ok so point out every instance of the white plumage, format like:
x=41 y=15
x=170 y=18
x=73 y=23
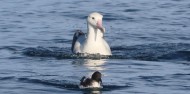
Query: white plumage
x=92 y=42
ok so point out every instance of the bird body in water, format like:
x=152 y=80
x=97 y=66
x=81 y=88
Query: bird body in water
x=93 y=42
x=94 y=82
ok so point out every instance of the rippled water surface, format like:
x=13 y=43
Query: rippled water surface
x=149 y=39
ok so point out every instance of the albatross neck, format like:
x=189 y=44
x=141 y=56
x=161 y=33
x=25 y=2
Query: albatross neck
x=93 y=34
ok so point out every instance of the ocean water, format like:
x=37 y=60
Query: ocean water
x=149 y=39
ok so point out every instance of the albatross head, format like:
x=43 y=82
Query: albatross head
x=95 y=20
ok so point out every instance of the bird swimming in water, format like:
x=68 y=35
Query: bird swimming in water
x=94 y=82
x=93 y=42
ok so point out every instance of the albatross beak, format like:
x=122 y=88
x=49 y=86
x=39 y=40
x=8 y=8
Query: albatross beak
x=99 y=26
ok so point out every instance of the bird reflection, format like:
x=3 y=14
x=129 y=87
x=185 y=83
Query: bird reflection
x=92 y=92
x=95 y=65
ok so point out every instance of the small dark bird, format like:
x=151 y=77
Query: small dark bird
x=94 y=82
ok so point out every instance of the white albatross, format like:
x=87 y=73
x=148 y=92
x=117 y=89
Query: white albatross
x=93 y=42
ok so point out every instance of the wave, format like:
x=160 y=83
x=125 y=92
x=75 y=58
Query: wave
x=149 y=52
x=65 y=84
x=68 y=85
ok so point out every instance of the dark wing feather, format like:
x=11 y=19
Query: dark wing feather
x=87 y=82
x=77 y=34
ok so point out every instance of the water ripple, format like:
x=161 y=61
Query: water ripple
x=151 y=52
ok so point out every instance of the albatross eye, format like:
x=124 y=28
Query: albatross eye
x=93 y=18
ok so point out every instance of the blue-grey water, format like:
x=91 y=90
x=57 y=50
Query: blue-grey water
x=150 y=42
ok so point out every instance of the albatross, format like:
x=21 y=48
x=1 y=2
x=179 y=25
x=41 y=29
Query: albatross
x=93 y=41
